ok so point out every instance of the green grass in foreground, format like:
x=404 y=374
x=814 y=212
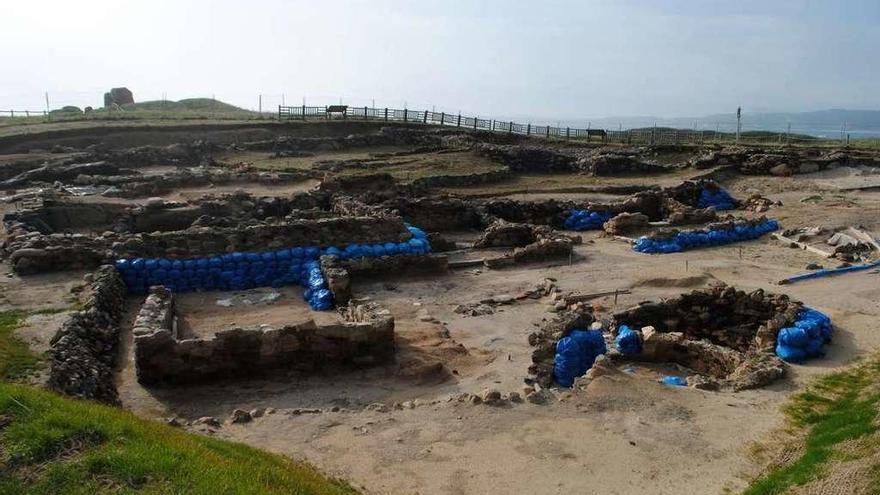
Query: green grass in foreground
x=839 y=410
x=16 y=358
x=54 y=445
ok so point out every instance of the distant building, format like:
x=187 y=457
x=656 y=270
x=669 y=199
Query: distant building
x=118 y=96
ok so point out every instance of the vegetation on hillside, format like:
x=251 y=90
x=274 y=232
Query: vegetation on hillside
x=837 y=436
x=51 y=445
x=16 y=358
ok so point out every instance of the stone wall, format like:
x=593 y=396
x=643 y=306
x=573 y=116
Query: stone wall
x=463 y=180
x=34 y=253
x=84 y=350
x=364 y=336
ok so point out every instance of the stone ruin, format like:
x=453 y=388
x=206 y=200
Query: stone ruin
x=119 y=97
x=363 y=336
x=724 y=336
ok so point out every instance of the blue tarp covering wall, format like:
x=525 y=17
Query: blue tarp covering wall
x=575 y=354
x=238 y=271
x=586 y=219
x=807 y=338
x=683 y=241
x=718 y=199
x=628 y=341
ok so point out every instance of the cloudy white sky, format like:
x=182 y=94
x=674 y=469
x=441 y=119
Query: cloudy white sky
x=505 y=57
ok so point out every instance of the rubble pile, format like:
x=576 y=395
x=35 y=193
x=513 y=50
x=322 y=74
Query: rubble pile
x=83 y=352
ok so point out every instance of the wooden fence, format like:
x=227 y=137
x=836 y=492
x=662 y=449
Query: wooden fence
x=653 y=135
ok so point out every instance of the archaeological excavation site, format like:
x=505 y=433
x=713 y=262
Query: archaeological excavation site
x=402 y=304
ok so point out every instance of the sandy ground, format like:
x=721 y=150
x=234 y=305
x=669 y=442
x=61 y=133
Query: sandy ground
x=625 y=434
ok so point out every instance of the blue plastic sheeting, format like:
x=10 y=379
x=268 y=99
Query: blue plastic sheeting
x=831 y=271
x=719 y=199
x=586 y=219
x=674 y=381
x=575 y=354
x=683 y=241
x=246 y=270
x=628 y=341
x=807 y=338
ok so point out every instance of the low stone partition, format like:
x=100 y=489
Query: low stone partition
x=364 y=336
x=84 y=350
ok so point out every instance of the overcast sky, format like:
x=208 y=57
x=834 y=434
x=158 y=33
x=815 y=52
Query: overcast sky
x=494 y=58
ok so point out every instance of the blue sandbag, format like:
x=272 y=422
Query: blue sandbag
x=122 y=265
x=321 y=300
x=628 y=341
x=790 y=354
x=575 y=354
x=673 y=381
x=793 y=336
x=720 y=200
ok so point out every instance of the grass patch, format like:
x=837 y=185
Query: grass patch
x=51 y=444
x=839 y=409
x=16 y=358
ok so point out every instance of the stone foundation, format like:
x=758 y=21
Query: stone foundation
x=364 y=336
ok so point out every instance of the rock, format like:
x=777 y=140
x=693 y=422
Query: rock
x=756 y=371
x=814 y=266
x=207 y=420
x=536 y=398
x=476 y=399
x=270 y=410
x=257 y=413
x=240 y=416
x=378 y=407
x=514 y=397
x=175 y=422
x=492 y=397
x=503 y=299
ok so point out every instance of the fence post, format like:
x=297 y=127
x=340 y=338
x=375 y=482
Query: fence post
x=442 y=118
x=12 y=113
x=405 y=113
x=475 y=122
x=459 y=120
x=425 y=121
x=386 y=114
x=529 y=129
x=568 y=133
x=27 y=113
x=547 y=132
x=326 y=115
x=366 y=116
x=493 y=125
x=653 y=133
x=510 y=127
x=279 y=113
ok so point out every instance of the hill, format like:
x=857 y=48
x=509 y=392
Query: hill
x=186 y=105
